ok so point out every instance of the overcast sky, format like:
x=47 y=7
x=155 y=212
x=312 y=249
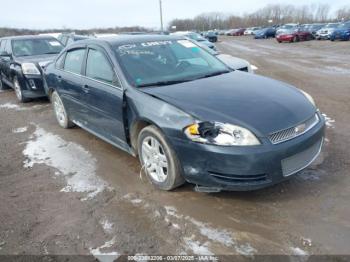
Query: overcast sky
x=83 y=14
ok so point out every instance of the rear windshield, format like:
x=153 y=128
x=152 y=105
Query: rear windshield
x=33 y=47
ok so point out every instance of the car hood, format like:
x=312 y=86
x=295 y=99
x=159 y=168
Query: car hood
x=342 y=31
x=261 y=104
x=233 y=62
x=42 y=60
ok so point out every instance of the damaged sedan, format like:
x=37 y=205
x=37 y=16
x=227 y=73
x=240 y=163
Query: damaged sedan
x=184 y=113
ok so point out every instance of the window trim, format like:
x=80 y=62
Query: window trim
x=82 y=73
x=82 y=64
x=108 y=61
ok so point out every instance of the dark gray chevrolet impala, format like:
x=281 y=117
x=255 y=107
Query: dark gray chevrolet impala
x=184 y=113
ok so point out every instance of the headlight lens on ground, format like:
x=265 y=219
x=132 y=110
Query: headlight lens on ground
x=309 y=97
x=221 y=134
x=30 y=69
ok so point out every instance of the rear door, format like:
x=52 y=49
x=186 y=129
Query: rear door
x=105 y=97
x=6 y=62
x=70 y=84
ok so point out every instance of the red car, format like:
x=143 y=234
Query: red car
x=239 y=32
x=294 y=36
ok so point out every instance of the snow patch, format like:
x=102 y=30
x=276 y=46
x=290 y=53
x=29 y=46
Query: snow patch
x=254 y=67
x=105 y=256
x=298 y=251
x=196 y=247
x=107 y=226
x=221 y=236
x=20 y=130
x=75 y=163
x=329 y=121
x=11 y=106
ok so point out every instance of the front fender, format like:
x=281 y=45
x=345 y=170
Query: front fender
x=144 y=107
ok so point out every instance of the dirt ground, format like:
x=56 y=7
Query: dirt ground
x=67 y=192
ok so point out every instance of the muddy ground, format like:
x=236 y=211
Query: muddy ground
x=68 y=192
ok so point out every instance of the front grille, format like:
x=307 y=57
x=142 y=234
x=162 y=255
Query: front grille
x=240 y=179
x=290 y=133
x=244 y=69
x=296 y=163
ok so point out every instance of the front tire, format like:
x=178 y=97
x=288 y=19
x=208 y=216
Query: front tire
x=19 y=91
x=60 y=111
x=2 y=85
x=159 y=160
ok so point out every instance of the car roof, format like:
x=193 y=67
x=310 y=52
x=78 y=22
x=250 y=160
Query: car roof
x=129 y=39
x=24 y=37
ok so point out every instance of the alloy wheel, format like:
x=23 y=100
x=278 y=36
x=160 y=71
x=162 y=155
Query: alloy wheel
x=17 y=88
x=154 y=159
x=59 y=110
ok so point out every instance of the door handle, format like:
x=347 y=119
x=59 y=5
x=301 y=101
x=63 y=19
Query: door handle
x=86 y=88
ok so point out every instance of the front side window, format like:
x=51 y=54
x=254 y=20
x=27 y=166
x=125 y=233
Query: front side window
x=33 y=47
x=166 y=62
x=74 y=61
x=98 y=67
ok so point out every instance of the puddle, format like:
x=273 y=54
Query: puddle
x=72 y=161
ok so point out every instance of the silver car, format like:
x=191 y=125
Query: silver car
x=326 y=31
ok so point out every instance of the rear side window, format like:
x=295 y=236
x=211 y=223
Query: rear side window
x=98 y=67
x=74 y=61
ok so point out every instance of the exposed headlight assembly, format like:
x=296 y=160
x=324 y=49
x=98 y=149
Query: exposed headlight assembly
x=312 y=101
x=221 y=134
x=30 y=69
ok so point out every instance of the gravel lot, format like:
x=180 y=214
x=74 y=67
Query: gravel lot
x=67 y=192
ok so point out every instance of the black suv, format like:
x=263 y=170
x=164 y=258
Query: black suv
x=22 y=60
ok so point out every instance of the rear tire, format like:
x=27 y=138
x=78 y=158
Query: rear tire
x=60 y=111
x=159 y=160
x=19 y=91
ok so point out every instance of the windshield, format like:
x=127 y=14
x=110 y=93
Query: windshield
x=331 y=26
x=33 y=47
x=345 y=25
x=166 y=62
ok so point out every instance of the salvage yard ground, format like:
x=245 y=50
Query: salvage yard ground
x=68 y=192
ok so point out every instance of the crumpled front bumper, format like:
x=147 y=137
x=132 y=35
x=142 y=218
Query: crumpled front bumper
x=243 y=168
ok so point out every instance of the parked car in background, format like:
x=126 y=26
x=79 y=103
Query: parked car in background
x=232 y=62
x=251 y=30
x=185 y=114
x=231 y=32
x=286 y=28
x=326 y=31
x=265 y=33
x=69 y=38
x=342 y=32
x=314 y=28
x=22 y=60
x=196 y=37
x=294 y=35
x=55 y=35
x=211 y=36
x=239 y=32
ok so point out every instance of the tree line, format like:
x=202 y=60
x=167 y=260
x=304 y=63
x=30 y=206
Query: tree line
x=5 y=31
x=270 y=14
